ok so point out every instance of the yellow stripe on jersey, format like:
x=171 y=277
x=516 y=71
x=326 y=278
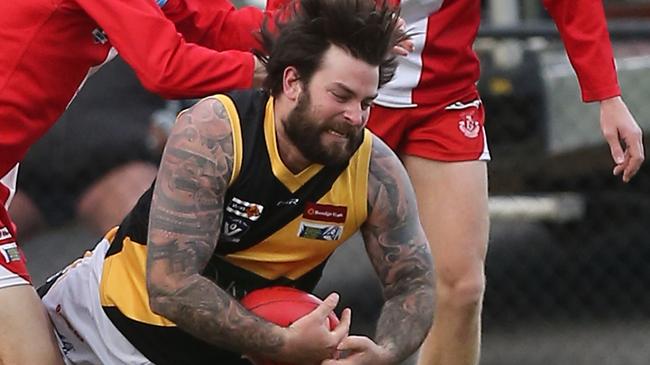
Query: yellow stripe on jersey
x=235 y=126
x=236 y=135
x=124 y=284
x=292 y=181
x=285 y=252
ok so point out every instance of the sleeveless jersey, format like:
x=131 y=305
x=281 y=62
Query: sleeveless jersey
x=278 y=228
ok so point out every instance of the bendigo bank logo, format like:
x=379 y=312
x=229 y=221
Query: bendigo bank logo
x=325 y=213
x=322 y=222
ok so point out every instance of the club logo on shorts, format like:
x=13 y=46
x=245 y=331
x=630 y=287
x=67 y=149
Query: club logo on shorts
x=10 y=252
x=469 y=126
x=248 y=210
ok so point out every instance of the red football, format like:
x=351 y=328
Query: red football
x=283 y=305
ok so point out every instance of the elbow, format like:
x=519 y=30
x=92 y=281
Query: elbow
x=161 y=86
x=161 y=302
x=163 y=81
x=160 y=305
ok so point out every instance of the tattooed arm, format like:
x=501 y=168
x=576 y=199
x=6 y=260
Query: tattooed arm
x=184 y=226
x=399 y=252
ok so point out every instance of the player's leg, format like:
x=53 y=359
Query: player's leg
x=26 y=335
x=444 y=155
x=107 y=201
x=452 y=199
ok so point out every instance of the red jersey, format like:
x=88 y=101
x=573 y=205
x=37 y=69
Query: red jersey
x=444 y=67
x=49 y=47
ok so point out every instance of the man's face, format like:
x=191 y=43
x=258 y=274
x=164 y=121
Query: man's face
x=327 y=122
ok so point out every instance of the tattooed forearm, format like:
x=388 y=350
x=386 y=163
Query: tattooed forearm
x=206 y=311
x=184 y=226
x=399 y=251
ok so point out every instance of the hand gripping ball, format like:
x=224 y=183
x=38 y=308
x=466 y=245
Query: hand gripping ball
x=282 y=305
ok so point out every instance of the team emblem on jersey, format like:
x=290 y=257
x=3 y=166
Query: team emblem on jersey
x=233 y=228
x=469 y=126
x=248 y=210
x=325 y=232
x=10 y=252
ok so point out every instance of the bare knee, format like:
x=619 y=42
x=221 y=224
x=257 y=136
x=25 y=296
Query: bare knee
x=461 y=289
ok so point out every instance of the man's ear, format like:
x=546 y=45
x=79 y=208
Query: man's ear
x=291 y=83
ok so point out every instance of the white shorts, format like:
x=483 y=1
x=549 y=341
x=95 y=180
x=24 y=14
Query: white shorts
x=9 y=278
x=86 y=334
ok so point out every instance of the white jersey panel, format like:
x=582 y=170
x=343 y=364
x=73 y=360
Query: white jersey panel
x=9 y=181
x=398 y=93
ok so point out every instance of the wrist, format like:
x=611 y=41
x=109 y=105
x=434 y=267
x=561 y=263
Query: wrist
x=288 y=348
x=613 y=100
x=388 y=355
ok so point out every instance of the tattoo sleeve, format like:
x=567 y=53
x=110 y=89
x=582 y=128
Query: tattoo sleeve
x=399 y=252
x=184 y=227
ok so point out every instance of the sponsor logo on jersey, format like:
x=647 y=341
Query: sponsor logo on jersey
x=291 y=202
x=248 y=210
x=233 y=228
x=325 y=212
x=99 y=36
x=325 y=232
x=10 y=252
x=4 y=233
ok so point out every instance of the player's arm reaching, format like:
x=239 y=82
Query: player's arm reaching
x=163 y=61
x=184 y=226
x=399 y=252
x=216 y=24
x=583 y=28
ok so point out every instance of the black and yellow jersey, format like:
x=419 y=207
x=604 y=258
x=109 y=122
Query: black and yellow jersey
x=278 y=228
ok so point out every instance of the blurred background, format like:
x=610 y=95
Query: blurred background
x=568 y=268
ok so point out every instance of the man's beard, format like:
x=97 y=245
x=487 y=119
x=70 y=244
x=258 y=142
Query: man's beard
x=306 y=133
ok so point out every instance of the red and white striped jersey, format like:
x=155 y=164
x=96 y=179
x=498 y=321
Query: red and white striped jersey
x=444 y=67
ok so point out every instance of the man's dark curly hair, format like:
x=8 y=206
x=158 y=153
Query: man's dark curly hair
x=300 y=35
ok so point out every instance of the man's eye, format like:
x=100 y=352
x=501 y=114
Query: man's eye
x=339 y=97
x=366 y=105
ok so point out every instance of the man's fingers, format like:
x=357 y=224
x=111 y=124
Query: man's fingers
x=400 y=51
x=343 y=328
x=615 y=147
x=635 y=157
x=633 y=166
x=618 y=169
x=404 y=47
x=355 y=344
x=324 y=309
